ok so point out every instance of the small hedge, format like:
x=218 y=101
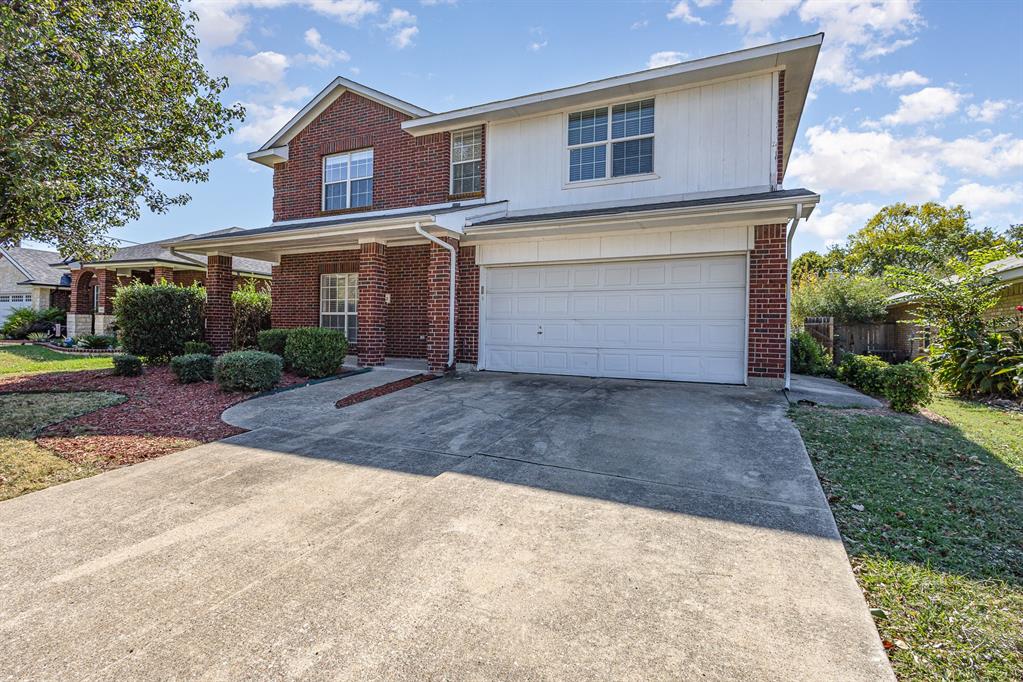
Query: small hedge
x=251 y=313
x=192 y=368
x=906 y=387
x=808 y=356
x=155 y=320
x=315 y=351
x=247 y=370
x=126 y=365
x=196 y=348
x=272 y=340
x=96 y=341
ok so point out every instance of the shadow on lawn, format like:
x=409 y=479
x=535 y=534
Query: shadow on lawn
x=930 y=494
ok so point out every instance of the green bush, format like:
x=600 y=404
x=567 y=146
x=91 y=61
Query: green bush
x=247 y=370
x=847 y=298
x=53 y=316
x=315 y=351
x=192 y=368
x=155 y=320
x=863 y=372
x=96 y=341
x=808 y=356
x=19 y=322
x=126 y=365
x=196 y=348
x=907 y=386
x=38 y=336
x=251 y=313
x=272 y=340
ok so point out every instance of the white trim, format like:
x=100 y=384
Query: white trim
x=745 y=345
x=608 y=143
x=348 y=178
x=348 y=284
x=381 y=213
x=774 y=132
x=452 y=163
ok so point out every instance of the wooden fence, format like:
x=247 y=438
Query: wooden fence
x=862 y=339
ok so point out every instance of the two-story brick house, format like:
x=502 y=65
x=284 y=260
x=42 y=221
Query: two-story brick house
x=629 y=227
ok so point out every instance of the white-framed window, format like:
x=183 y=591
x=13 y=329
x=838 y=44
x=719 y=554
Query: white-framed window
x=15 y=298
x=466 y=160
x=348 y=180
x=611 y=142
x=339 y=303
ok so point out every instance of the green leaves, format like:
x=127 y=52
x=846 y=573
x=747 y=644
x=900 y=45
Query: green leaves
x=99 y=100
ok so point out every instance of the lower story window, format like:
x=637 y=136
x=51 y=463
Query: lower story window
x=339 y=301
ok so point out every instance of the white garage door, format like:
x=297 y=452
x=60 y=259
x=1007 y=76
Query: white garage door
x=9 y=302
x=681 y=319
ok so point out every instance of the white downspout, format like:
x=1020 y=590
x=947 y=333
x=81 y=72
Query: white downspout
x=451 y=290
x=788 y=296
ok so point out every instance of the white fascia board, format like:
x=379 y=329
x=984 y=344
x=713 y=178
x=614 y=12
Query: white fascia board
x=268 y=157
x=382 y=213
x=729 y=64
x=323 y=99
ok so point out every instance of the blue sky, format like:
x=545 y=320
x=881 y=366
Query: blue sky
x=912 y=101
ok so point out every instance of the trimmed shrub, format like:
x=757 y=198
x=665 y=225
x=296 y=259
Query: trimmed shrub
x=96 y=341
x=251 y=308
x=19 y=323
x=192 y=368
x=272 y=340
x=155 y=320
x=196 y=348
x=127 y=365
x=907 y=386
x=808 y=356
x=315 y=351
x=863 y=372
x=247 y=370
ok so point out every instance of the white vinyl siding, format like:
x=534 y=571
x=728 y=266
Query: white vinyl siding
x=466 y=160
x=339 y=302
x=348 y=180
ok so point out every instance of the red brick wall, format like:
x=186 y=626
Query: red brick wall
x=164 y=272
x=372 y=307
x=82 y=281
x=781 y=126
x=767 y=278
x=407 y=171
x=296 y=285
x=467 y=325
x=219 y=284
x=60 y=298
x=437 y=308
x=406 y=315
x=108 y=282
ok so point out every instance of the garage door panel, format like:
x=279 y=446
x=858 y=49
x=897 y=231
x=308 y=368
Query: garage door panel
x=681 y=319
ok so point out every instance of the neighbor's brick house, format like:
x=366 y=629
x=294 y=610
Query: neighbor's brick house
x=630 y=227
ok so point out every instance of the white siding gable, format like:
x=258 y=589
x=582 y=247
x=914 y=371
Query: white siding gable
x=711 y=138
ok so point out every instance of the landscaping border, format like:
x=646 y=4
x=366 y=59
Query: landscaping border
x=384 y=389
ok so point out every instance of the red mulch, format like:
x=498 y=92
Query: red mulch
x=160 y=416
x=383 y=389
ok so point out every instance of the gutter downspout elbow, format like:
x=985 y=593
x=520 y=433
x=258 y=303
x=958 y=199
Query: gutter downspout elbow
x=451 y=288
x=788 y=295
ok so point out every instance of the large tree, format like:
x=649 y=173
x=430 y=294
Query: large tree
x=103 y=104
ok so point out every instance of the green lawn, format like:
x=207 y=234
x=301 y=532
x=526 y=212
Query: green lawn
x=24 y=466
x=932 y=519
x=30 y=359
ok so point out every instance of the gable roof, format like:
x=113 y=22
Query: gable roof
x=36 y=265
x=1006 y=269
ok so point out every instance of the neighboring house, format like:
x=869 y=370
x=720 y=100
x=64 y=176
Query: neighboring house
x=911 y=341
x=628 y=227
x=29 y=280
x=92 y=284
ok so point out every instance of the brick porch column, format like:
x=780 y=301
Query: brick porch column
x=438 y=277
x=107 y=282
x=219 y=285
x=372 y=308
x=163 y=272
x=767 y=275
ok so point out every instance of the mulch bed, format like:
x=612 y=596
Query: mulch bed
x=160 y=416
x=383 y=389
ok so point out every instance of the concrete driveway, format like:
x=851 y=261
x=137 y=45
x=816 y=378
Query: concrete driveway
x=488 y=526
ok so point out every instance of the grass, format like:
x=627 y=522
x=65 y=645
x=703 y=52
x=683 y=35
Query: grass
x=24 y=465
x=30 y=359
x=932 y=519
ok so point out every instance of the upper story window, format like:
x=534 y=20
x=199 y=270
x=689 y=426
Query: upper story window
x=348 y=180
x=631 y=141
x=466 y=159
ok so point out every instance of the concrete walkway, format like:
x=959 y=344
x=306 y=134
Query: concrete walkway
x=488 y=526
x=827 y=392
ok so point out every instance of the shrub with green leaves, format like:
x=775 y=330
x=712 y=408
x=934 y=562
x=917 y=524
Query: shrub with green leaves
x=808 y=356
x=273 y=340
x=863 y=372
x=907 y=386
x=251 y=313
x=19 y=323
x=248 y=370
x=315 y=351
x=192 y=368
x=127 y=365
x=38 y=336
x=96 y=341
x=155 y=320
x=196 y=348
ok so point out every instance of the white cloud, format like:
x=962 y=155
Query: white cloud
x=990 y=156
x=262 y=121
x=706 y=3
x=642 y=23
x=349 y=12
x=403 y=38
x=882 y=49
x=323 y=54
x=905 y=79
x=682 y=11
x=862 y=22
x=537 y=45
x=432 y=3
x=756 y=16
x=841 y=220
x=924 y=105
x=988 y=110
x=262 y=67
x=990 y=204
x=665 y=58
x=218 y=26
x=402 y=25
